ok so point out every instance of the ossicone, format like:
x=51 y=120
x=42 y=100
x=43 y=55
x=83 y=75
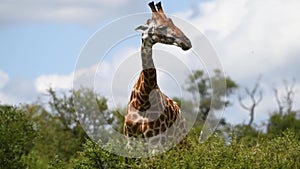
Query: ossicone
x=152 y=6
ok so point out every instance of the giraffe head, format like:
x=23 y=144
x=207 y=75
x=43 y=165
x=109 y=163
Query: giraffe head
x=161 y=29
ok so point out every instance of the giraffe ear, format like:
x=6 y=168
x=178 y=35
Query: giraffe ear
x=142 y=28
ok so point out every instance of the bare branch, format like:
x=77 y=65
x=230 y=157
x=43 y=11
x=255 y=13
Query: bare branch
x=247 y=91
x=279 y=104
x=290 y=94
x=260 y=97
x=288 y=97
x=242 y=104
x=254 y=101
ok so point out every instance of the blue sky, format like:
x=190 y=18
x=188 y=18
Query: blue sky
x=35 y=49
x=31 y=47
x=41 y=40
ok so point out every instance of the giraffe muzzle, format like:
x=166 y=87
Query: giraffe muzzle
x=184 y=43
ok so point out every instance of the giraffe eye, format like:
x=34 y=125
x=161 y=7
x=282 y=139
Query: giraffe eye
x=161 y=27
x=162 y=30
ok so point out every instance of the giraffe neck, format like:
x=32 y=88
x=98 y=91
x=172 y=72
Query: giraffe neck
x=147 y=81
x=146 y=54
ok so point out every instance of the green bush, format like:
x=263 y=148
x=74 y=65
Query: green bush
x=36 y=137
x=279 y=152
x=280 y=123
x=16 y=135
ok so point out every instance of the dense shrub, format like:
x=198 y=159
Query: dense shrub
x=49 y=136
x=280 y=123
x=16 y=134
x=280 y=152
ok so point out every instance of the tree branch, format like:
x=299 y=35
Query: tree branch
x=254 y=101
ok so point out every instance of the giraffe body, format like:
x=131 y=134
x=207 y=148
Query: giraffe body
x=150 y=113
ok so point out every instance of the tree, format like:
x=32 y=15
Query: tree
x=54 y=140
x=246 y=134
x=94 y=115
x=59 y=123
x=280 y=123
x=285 y=118
x=200 y=83
x=16 y=135
x=287 y=100
x=254 y=101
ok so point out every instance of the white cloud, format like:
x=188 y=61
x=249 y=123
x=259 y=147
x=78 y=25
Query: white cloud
x=110 y=78
x=114 y=77
x=65 y=10
x=4 y=99
x=18 y=90
x=253 y=37
x=56 y=82
x=3 y=79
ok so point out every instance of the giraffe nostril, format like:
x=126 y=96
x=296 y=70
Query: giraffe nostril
x=186 y=44
x=186 y=48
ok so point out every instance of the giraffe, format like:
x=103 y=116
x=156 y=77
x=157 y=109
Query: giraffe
x=150 y=113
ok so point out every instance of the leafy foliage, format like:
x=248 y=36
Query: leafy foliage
x=61 y=133
x=16 y=134
x=49 y=135
x=93 y=114
x=200 y=83
x=280 y=123
x=280 y=152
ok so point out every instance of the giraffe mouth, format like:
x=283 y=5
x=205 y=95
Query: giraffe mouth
x=175 y=44
x=183 y=46
x=184 y=43
x=186 y=48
